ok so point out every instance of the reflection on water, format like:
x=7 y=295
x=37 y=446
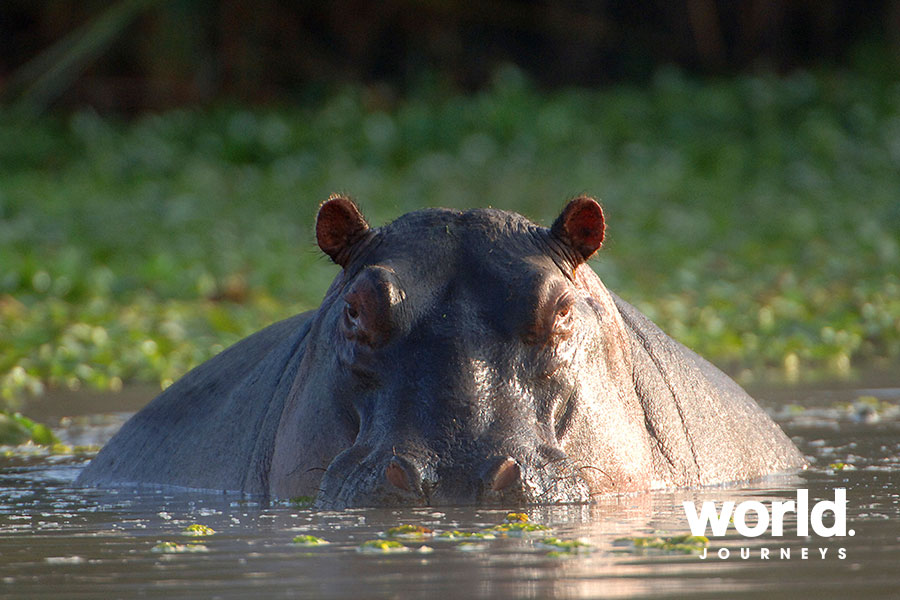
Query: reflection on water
x=58 y=541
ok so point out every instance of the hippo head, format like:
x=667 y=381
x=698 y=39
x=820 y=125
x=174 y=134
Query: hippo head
x=462 y=358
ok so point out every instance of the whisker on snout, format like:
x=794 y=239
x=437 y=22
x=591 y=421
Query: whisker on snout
x=583 y=467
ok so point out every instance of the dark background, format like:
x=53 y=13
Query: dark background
x=133 y=55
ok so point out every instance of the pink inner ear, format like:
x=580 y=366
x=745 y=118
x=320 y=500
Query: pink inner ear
x=584 y=226
x=338 y=223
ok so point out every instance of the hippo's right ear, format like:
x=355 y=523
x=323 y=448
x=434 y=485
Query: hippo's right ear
x=581 y=226
x=339 y=225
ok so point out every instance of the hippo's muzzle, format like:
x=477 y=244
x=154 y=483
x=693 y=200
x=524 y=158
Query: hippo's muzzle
x=398 y=478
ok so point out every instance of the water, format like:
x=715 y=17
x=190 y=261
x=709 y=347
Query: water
x=58 y=541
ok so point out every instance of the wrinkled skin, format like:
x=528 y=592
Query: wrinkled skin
x=458 y=358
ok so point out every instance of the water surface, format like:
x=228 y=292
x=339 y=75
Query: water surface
x=58 y=541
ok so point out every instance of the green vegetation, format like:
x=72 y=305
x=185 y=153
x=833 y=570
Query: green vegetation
x=756 y=219
x=839 y=466
x=516 y=528
x=198 y=530
x=563 y=548
x=382 y=547
x=302 y=501
x=456 y=535
x=412 y=532
x=173 y=548
x=514 y=517
x=681 y=544
x=16 y=429
x=309 y=540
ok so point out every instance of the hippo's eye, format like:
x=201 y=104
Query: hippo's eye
x=366 y=316
x=351 y=312
x=554 y=319
x=351 y=317
x=565 y=307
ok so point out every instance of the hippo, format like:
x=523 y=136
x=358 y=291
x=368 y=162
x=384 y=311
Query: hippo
x=458 y=358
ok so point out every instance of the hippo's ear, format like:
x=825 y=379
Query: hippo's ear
x=581 y=226
x=339 y=225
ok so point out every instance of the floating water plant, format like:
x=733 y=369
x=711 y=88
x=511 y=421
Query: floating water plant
x=456 y=535
x=309 y=540
x=409 y=532
x=173 y=548
x=515 y=525
x=561 y=545
x=60 y=448
x=198 y=530
x=560 y=548
x=382 y=547
x=684 y=544
x=517 y=529
x=840 y=466
x=515 y=517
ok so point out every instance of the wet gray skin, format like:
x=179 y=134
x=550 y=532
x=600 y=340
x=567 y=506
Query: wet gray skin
x=458 y=358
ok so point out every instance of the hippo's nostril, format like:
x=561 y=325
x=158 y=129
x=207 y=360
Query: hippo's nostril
x=505 y=474
x=396 y=474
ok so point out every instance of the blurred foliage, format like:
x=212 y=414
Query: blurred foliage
x=16 y=429
x=756 y=219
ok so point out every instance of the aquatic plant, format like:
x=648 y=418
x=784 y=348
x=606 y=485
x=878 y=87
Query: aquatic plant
x=683 y=544
x=409 y=532
x=198 y=530
x=382 y=547
x=16 y=429
x=173 y=548
x=309 y=540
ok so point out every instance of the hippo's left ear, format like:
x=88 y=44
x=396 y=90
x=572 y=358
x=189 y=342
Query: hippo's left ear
x=339 y=225
x=581 y=226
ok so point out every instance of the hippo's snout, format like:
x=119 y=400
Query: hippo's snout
x=497 y=479
x=400 y=479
